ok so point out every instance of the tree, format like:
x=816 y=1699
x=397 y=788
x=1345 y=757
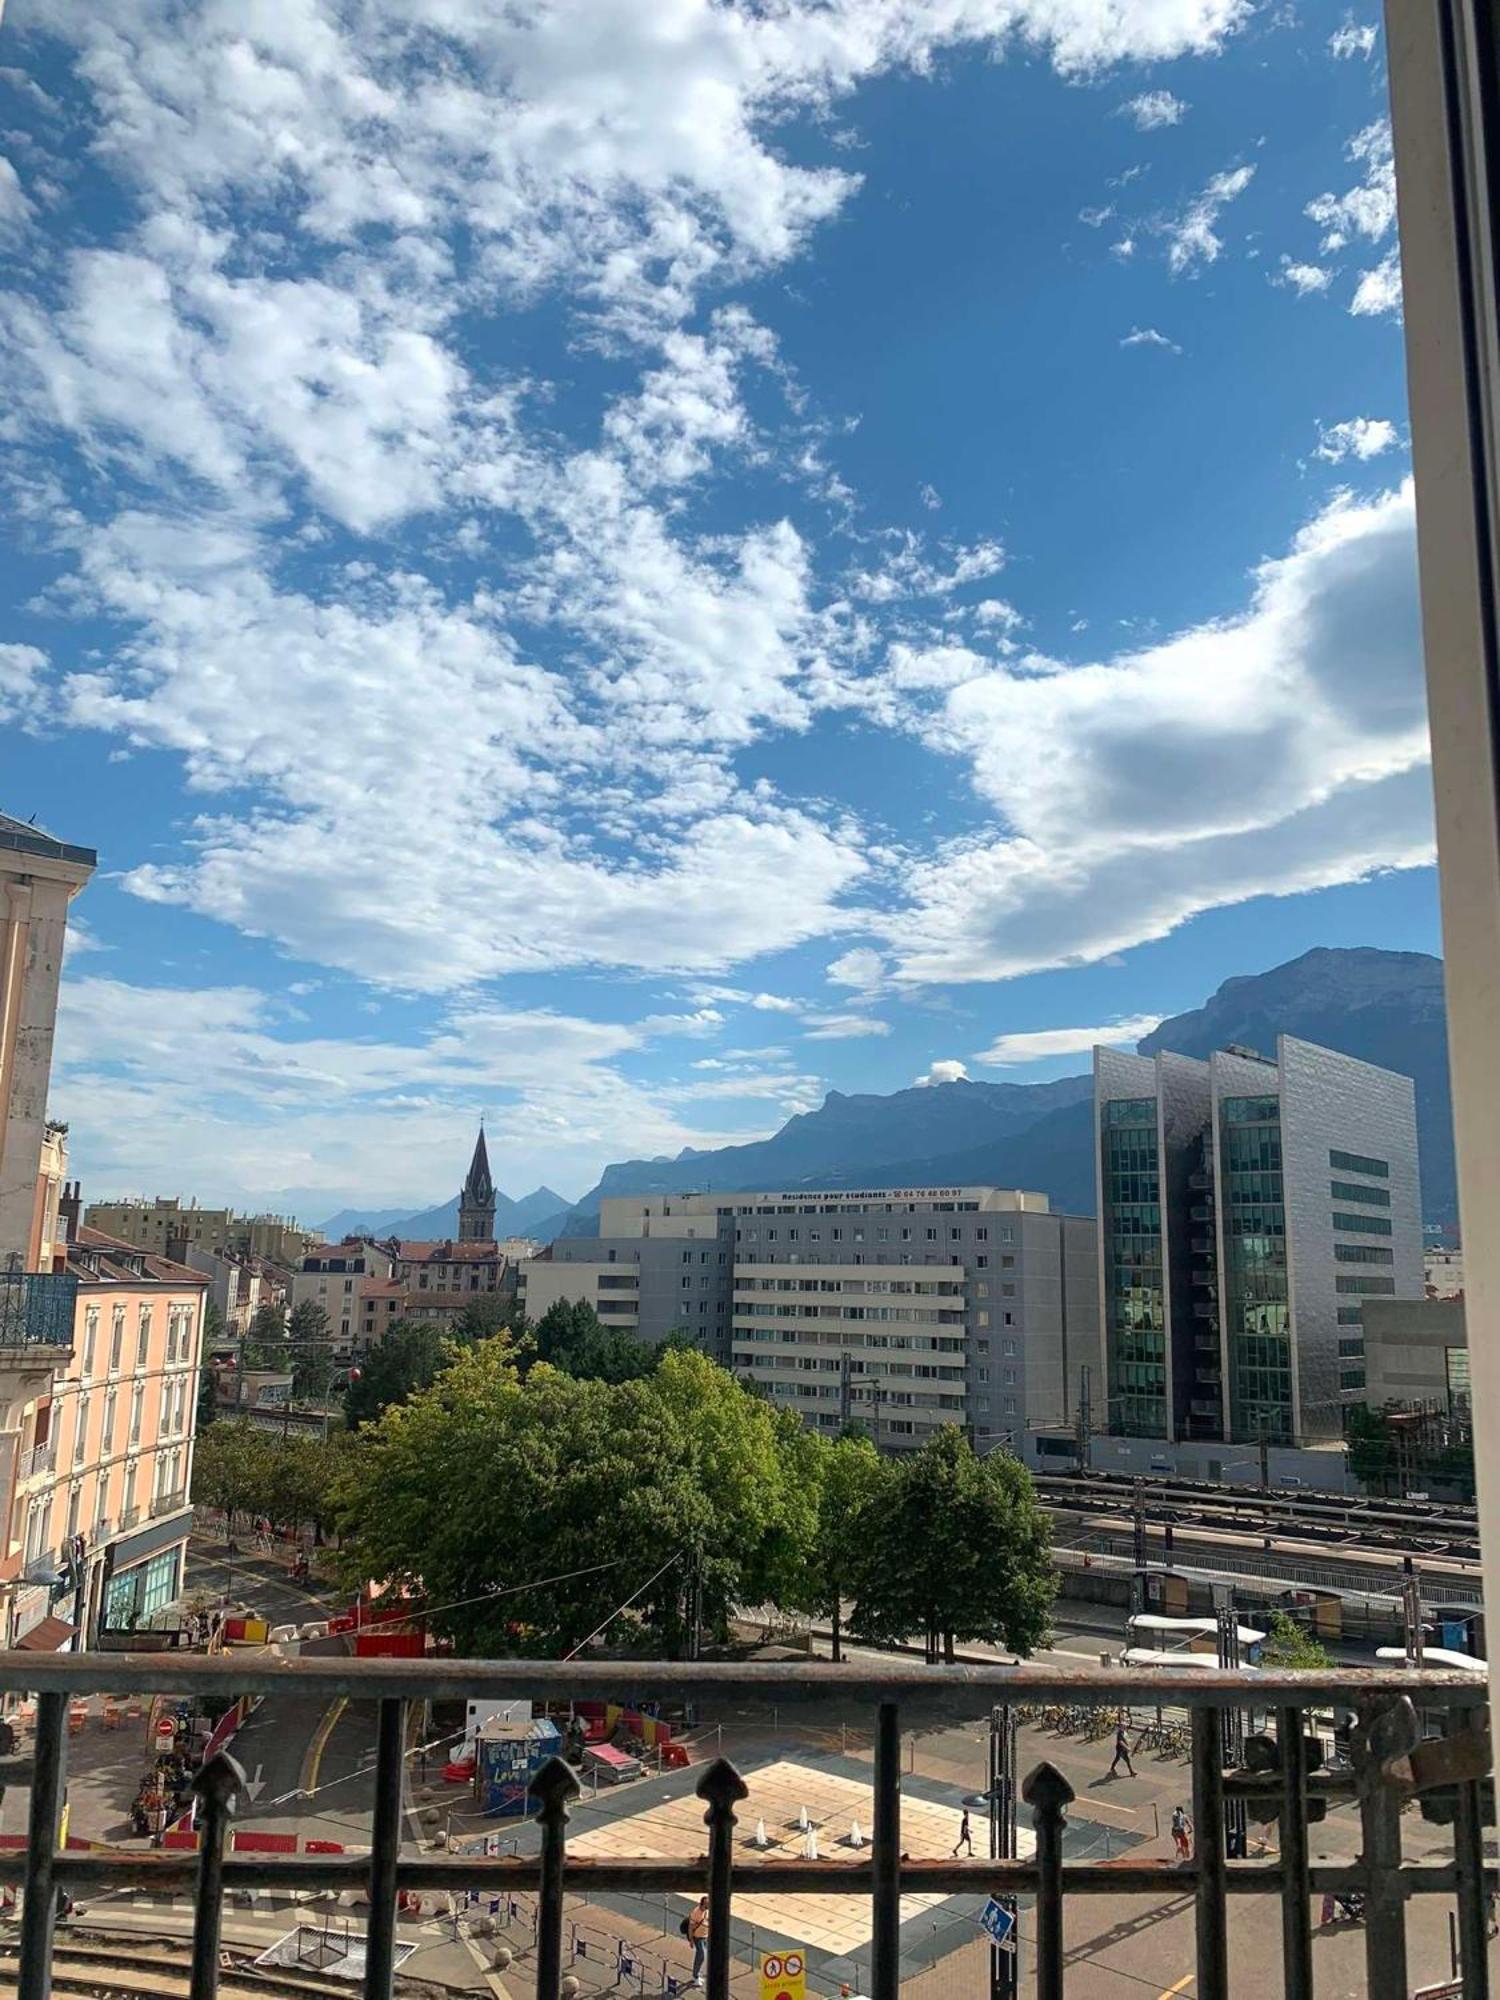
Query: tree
x=408 y=1358
x=208 y=1398
x=483 y=1317
x=851 y=1478
x=265 y=1345
x=620 y=1508
x=310 y=1350
x=570 y=1335
x=1288 y=1644
x=229 y=1468
x=955 y=1547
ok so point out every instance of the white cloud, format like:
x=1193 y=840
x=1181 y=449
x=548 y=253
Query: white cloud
x=166 y=1087
x=1353 y=38
x=842 y=1027
x=21 y=670
x=1154 y=108
x=862 y=968
x=1379 y=290
x=1132 y=793
x=1192 y=236
x=929 y=496
x=1369 y=209
x=1304 y=279
x=1040 y=1044
x=1149 y=336
x=945 y=1070
x=1359 y=437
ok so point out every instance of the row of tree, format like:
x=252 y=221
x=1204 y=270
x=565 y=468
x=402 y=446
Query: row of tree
x=295 y=1482
x=534 y=1508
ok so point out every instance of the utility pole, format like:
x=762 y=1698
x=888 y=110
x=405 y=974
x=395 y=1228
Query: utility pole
x=1138 y=1538
x=1265 y=1460
x=1085 y=1421
x=1231 y=1724
x=1411 y=1611
x=1002 y=1799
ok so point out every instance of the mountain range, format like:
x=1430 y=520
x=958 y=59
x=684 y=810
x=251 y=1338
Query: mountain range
x=540 y=1213
x=1385 y=1007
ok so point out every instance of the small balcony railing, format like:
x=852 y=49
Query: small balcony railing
x=168 y=1503
x=129 y=1518
x=36 y=1309
x=41 y=1458
x=1276 y=1776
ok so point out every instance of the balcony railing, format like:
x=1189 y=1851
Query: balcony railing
x=1276 y=1777
x=36 y=1309
x=168 y=1503
x=41 y=1458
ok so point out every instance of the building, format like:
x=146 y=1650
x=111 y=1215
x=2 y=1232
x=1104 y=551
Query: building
x=99 y=1513
x=1416 y=1355
x=516 y=1249
x=441 y=1279
x=1247 y=1207
x=239 y=1285
x=171 y=1227
x=39 y=877
x=476 y=1201
x=331 y=1276
x=1444 y=1272
x=906 y=1309
x=381 y=1304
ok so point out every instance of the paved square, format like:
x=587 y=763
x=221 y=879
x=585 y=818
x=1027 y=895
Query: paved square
x=838 y=1925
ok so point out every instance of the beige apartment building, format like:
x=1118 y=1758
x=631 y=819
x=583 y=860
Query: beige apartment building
x=169 y=1227
x=331 y=1275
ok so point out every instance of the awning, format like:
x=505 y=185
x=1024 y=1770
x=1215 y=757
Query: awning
x=48 y=1635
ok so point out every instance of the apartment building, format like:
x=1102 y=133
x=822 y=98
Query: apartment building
x=170 y=1227
x=442 y=1278
x=904 y=1309
x=238 y=1285
x=99 y=1514
x=331 y=1276
x=1247 y=1206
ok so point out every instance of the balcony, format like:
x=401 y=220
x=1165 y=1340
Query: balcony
x=1278 y=1780
x=168 y=1503
x=36 y=1311
x=42 y=1458
x=43 y=1567
x=129 y=1519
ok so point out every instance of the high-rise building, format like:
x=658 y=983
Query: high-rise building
x=904 y=1309
x=476 y=1203
x=1246 y=1207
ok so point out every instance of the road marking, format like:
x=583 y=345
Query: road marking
x=312 y=1762
x=1167 y=1991
x=1087 y=1806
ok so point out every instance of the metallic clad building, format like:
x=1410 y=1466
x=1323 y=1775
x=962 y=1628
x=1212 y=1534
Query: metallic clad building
x=1246 y=1206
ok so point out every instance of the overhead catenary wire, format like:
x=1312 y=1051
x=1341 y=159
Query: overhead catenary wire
x=598 y=1630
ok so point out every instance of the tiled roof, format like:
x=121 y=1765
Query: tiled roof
x=449 y=1252
x=122 y=1263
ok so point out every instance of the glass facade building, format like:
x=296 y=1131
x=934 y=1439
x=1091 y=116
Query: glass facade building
x=1257 y=1314
x=1134 y=1297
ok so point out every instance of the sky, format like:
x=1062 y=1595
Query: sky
x=623 y=567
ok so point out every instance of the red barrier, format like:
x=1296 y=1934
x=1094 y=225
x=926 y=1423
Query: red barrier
x=322 y=1847
x=389 y=1645
x=182 y=1837
x=264 y=1843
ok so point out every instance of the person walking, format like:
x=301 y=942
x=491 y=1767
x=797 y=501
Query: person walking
x=1122 y=1752
x=697 y=1930
x=1182 y=1834
x=965 y=1835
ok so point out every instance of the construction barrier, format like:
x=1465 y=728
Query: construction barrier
x=242 y=1841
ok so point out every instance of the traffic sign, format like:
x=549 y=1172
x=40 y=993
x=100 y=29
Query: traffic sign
x=783 y=1975
x=999 y=1922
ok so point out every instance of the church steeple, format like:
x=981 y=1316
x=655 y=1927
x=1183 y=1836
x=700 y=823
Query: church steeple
x=476 y=1204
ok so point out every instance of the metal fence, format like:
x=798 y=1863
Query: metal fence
x=36 y=1308
x=1389 y=1763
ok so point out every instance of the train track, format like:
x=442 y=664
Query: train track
x=1326 y=1523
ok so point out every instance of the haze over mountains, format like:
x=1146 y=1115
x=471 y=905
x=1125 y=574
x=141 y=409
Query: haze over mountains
x=1385 y=1007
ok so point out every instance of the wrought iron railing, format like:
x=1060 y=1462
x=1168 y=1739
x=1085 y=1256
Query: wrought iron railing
x=168 y=1503
x=1389 y=1764
x=36 y=1308
x=41 y=1458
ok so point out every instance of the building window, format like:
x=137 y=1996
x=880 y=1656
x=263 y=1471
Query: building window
x=143 y=1337
x=1372 y=1197
x=90 y=1335
x=81 y=1431
x=1360 y=1163
x=1362 y=1225
x=116 y=1338
x=137 y=1403
x=1385 y=1287
x=107 y=1440
x=75 y=1507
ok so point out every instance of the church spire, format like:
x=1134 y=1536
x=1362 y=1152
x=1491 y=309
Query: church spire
x=476 y=1203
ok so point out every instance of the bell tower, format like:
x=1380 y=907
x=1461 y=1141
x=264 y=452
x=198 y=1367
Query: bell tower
x=476 y=1203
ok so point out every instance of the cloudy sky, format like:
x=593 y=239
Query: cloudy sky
x=627 y=565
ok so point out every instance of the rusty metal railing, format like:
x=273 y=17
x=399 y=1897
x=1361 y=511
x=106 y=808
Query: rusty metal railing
x=1390 y=1763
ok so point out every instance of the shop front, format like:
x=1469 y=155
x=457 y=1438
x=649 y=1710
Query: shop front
x=141 y=1575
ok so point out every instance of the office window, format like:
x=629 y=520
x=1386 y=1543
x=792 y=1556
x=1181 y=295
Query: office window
x=1372 y=1197
x=1384 y=1287
x=1361 y=1225
x=1362 y=1253
x=1360 y=1163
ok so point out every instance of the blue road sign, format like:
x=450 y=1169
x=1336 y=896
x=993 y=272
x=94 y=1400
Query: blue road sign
x=1000 y=1923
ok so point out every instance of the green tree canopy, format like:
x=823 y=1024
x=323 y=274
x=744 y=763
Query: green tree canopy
x=484 y=1316
x=570 y=1335
x=265 y=1345
x=575 y=1496
x=407 y=1358
x=851 y=1479
x=955 y=1547
x=1288 y=1644
x=310 y=1350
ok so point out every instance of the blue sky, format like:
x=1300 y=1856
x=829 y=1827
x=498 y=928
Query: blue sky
x=627 y=566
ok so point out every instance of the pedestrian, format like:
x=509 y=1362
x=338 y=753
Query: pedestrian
x=965 y=1835
x=1182 y=1834
x=697 y=1931
x=1122 y=1752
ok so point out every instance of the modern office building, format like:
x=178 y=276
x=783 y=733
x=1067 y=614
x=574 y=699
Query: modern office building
x=904 y=1309
x=1246 y=1208
x=1416 y=1356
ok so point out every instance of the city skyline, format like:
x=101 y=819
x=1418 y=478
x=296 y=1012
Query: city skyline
x=769 y=593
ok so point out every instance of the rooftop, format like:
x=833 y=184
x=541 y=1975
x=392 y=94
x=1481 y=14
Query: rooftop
x=24 y=837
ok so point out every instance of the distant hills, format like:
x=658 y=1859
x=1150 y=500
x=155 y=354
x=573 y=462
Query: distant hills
x=540 y=1213
x=1385 y=1007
